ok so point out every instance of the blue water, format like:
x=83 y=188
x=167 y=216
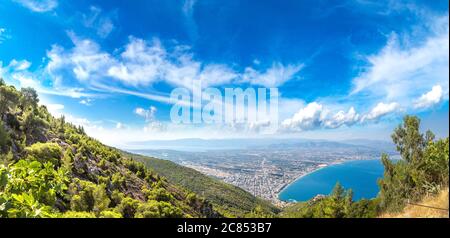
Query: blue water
x=361 y=176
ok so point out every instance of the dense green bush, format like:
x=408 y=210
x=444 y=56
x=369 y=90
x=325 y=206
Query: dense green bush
x=45 y=152
x=156 y=209
x=30 y=189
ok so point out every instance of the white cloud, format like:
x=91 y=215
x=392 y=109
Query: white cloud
x=274 y=76
x=39 y=5
x=155 y=126
x=98 y=21
x=3 y=35
x=18 y=74
x=342 y=118
x=380 y=110
x=430 y=98
x=188 y=6
x=315 y=116
x=119 y=125
x=144 y=63
x=55 y=109
x=403 y=68
x=87 y=102
x=309 y=117
x=85 y=60
x=19 y=65
x=149 y=114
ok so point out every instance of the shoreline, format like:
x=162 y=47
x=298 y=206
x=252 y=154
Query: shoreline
x=279 y=202
x=284 y=203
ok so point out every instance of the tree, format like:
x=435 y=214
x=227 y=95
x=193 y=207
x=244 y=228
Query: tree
x=4 y=139
x=422 y=170
x=410 y=143
x=29 y=98
x=9 y=97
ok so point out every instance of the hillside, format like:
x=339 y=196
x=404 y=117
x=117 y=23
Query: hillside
x=51 y=168
x=229 y=200
x=428 y=210
x=421 y=176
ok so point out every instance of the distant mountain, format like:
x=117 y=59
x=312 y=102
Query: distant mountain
x=196 y=145
x=385 y=146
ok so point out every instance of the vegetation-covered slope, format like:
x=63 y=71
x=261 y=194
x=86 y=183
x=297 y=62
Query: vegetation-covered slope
x=228 y=199
x=422 y=173
x=50 y=168
x=434 y=206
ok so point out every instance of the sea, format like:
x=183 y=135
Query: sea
x=360 y=175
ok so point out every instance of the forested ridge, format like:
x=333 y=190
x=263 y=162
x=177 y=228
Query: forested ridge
x=51 y=168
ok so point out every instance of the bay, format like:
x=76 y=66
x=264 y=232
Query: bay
x=361 y=176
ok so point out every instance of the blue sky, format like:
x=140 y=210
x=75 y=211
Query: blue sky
x=344 y=69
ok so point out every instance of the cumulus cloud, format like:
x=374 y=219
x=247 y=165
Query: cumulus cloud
x=308 y=117
x=430 y=98
x=380 y=110
x=342 y=118
x=315 y=116
x=38 y=5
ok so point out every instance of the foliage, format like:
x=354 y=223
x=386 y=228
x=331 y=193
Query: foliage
x=229 y=200
x=339 y=204
x=50 y=152
x=53 y=169
x=4 y=138
x=156 y=209
x=423 y=169
x=30 y=189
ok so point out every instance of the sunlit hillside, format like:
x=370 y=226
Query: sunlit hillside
x=414 y=211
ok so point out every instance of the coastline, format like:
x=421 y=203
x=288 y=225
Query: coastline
x=285 y=203
x=281 y=203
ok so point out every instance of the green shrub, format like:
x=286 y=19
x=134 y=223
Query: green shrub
x=45 y=152
x=155 y=209
x=73 y=214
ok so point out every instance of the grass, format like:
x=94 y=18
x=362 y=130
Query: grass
x=414 y=211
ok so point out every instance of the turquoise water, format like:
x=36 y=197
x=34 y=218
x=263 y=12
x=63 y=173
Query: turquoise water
x=361 y=176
